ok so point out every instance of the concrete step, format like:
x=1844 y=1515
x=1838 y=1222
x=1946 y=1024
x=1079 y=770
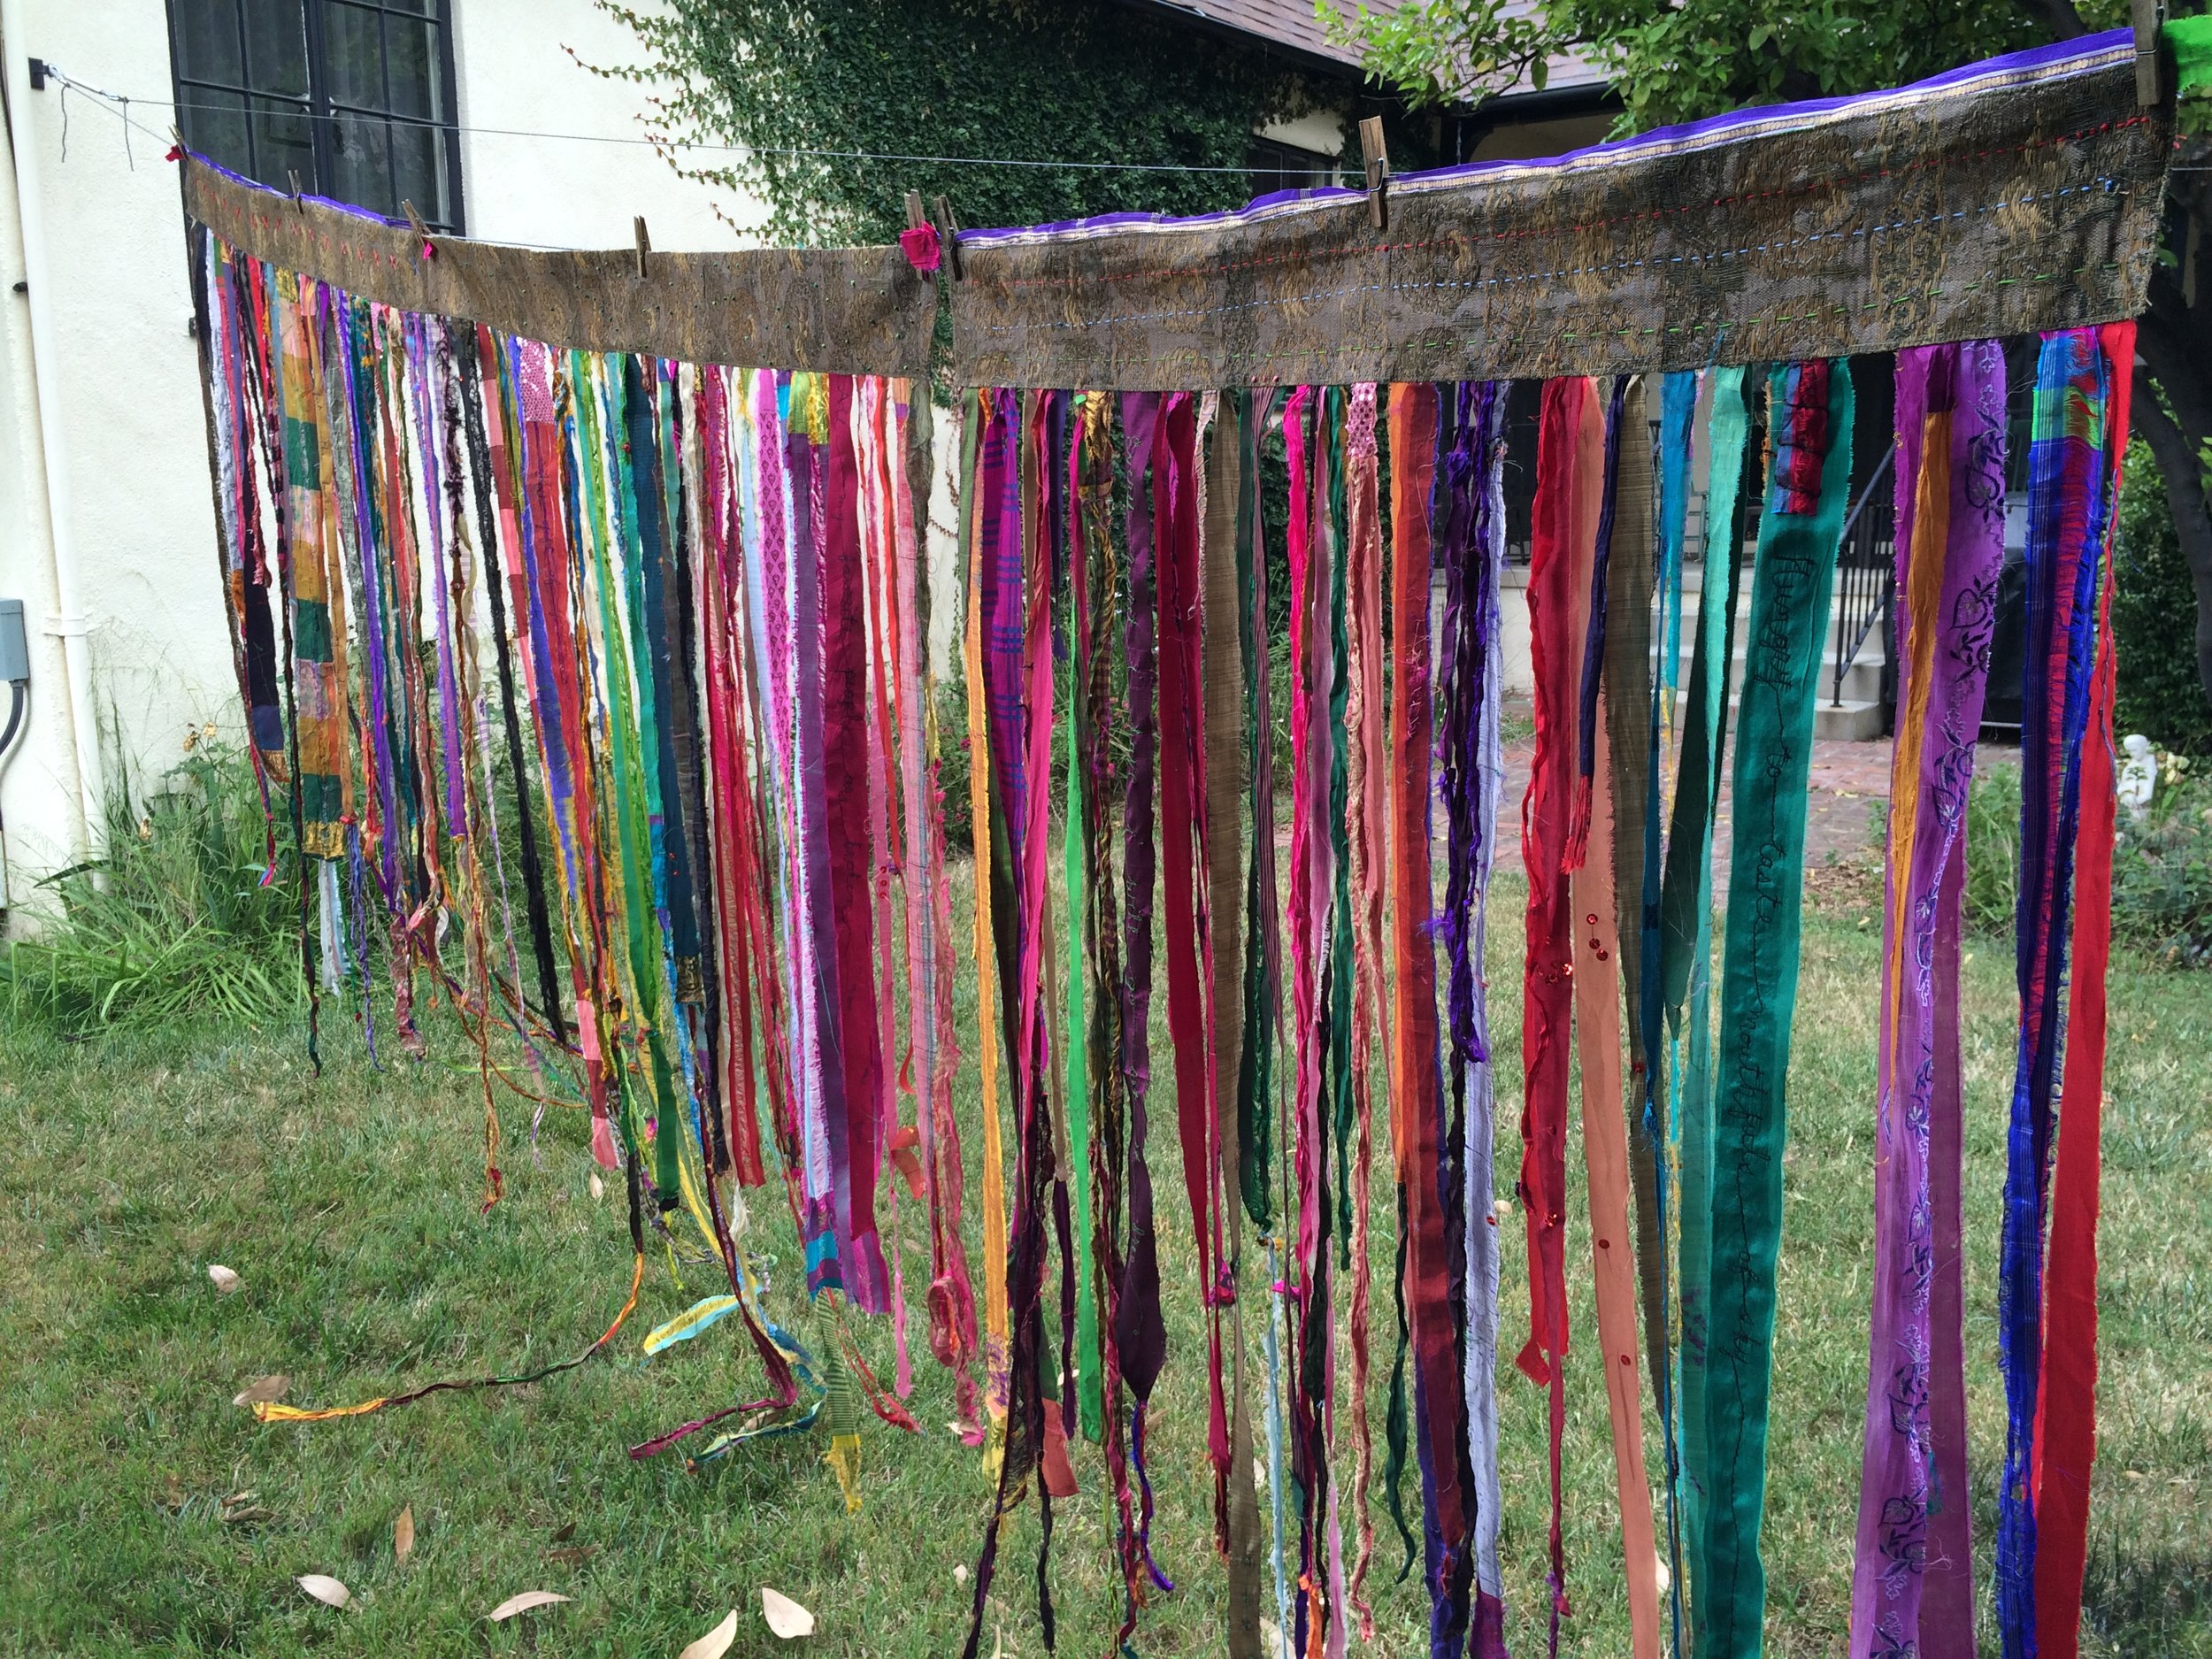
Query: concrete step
x=1853 y=720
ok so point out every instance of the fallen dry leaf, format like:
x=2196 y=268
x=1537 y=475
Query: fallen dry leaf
x=715 y=1643
x=404 y=1536
x=262 y=1390
x=324 y=1589
x=598 y=1187
x=785 y=1617
x=566 y=1530
x=523 y=1603
x=226 y=1281
x=574 y=1554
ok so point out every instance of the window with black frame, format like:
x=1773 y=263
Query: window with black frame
x=354 y=98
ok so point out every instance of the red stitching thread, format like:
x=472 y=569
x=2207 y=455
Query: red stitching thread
x=1569 y=230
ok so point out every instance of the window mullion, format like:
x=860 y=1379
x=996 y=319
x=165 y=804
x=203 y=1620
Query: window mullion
x=322 y=140
x=384 y=79
x=245 y=73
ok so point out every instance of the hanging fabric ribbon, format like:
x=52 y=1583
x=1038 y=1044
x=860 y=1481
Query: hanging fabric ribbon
x=1597 y=998
x=1913 y=1509
x=1470 y=549
x=1140 y=1336
x=1686 y=928
x=1226 y=518
x=981 y=460
x=1425 y=1153
x=1365 y=827
x=1652 y=1105
x=1569 y=479
x=1800 y=530
x=2066 y=1392
x=2070 y=503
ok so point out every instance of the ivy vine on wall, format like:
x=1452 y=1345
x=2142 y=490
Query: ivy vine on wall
x=1070 y=82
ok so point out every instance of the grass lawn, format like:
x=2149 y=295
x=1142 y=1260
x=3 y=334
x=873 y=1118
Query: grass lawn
x=349 y=1207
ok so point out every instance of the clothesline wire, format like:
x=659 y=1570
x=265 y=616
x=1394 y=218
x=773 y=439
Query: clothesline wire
x=660 y=142
x=124 y=114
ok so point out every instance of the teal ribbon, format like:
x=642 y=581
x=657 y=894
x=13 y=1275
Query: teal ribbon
x=1791 y=584
x=1686 y=936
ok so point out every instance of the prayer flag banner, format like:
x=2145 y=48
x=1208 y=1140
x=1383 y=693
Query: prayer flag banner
x=577 y=603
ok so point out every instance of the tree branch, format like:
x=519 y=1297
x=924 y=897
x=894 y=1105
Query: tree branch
x=2183 y=473
x=2164 y=350
x=2059 y=15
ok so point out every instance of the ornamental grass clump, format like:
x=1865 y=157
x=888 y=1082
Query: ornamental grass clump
x=172 y=921
x=2161 y=864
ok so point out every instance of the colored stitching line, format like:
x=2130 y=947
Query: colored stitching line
x=1567 y=230
x=1009 y=360
x=2108 y=186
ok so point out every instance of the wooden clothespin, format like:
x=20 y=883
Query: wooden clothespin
x=644 y=242
x=1378 y=158
x=915 y=217
x=2148 y=89
x=415 y=224
x=948 y=232
x=293 y=175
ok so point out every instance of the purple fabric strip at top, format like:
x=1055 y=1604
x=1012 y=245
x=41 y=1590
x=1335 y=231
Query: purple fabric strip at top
x=1912 y=1585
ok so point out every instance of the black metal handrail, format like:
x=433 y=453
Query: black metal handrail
x=1865 y=570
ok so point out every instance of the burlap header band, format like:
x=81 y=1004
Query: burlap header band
x=855 y=311
x=2018 y=195
x=2014 y=195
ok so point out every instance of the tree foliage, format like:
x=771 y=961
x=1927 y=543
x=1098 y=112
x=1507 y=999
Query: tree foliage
x=1673 y=62
x=841 y=105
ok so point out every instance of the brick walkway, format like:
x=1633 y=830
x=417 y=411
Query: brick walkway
x=1847 y=784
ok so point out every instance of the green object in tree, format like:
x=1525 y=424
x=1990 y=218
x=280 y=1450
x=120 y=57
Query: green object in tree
x=2191 y=40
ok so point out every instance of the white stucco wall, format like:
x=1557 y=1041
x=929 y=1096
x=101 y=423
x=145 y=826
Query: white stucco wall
x=132 y=494
x=134 y=489
x=515 y=74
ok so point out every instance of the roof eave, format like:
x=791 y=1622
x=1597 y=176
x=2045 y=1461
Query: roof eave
x=1194 y=12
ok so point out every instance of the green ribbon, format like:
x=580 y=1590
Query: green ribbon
x=1791 y=584
x=1078 y=845
x=1685 y=908
x=623 y=732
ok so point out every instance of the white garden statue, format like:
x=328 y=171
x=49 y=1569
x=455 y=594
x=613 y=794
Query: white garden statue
x=2139 y=774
